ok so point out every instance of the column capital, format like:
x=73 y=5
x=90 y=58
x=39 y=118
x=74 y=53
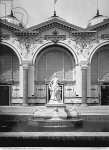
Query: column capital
x=84 y=64
x=25 y=66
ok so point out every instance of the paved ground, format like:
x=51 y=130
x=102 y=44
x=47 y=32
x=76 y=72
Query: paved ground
x=56 y=139
x=54 y=134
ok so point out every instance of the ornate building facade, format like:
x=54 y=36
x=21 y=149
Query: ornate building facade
x=30 y=57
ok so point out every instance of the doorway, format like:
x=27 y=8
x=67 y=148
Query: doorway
x=105 y=94
x=4 y=95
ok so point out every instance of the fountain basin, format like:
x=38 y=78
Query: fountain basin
x=57 y=116
x=75 y=122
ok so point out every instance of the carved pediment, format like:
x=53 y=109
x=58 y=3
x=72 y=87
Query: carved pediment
x=102 y=30
x=54 y=22
x=10 y=26
x=100 y=26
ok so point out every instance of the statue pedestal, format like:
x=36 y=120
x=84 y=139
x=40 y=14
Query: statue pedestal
x=57 y=110
x=54 y=102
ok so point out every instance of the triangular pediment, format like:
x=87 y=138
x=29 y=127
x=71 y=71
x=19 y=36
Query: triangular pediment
x=99 y=25
x=54 y=22
x=10 y=26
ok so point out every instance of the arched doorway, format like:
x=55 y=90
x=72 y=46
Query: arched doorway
x=54 y=60
x=99 y=74
x=9 y=73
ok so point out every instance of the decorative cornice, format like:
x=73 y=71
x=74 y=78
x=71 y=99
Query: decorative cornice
x=47 y=82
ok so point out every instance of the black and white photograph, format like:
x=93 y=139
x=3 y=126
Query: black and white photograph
x=54 y=73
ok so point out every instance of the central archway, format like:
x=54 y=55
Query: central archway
x=54 y=60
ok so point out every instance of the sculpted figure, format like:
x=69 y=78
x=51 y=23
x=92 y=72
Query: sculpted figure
x=55 y=90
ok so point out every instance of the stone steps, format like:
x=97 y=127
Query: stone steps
x=21 y=110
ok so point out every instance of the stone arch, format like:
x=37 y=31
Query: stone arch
x=96 y=48
x=13 y=49
x=55 y=59
x=10 y=61
x=42 y=83
x=99 y=66
x=59 y=44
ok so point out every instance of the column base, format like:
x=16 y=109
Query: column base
x=24 y=104
x=84 y=104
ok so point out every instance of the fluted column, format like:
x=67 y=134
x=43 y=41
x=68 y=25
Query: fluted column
x=25 y=84
x=84 y=83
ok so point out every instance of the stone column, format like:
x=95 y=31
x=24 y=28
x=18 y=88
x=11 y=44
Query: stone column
x=89 y=81
x=84 y=83
x=78 y=81
x=25 y=84
x=31 y=87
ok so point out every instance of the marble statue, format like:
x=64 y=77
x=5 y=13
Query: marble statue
x=55 y=90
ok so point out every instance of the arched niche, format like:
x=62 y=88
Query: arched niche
x=99 y=72
x=9 y=74
x=54 y=60
x=100 y=64
x=9 y=64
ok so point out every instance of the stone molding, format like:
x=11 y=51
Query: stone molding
x=84 y=64
x=25 y=66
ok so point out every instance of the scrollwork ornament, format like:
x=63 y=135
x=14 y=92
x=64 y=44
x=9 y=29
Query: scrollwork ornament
x=83 y=44
x=4 y=36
